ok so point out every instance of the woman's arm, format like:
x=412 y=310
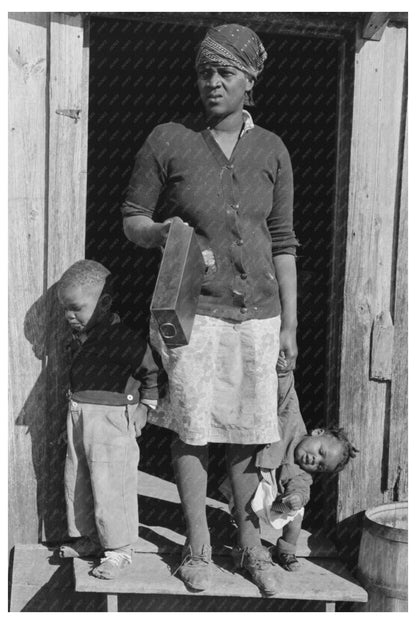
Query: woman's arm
x=285 y=267
x=146 y=184
x=144 y=232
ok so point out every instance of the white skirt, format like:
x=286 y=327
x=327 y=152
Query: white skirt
x=223 y=384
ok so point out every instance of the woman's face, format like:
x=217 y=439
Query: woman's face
x=222 y=89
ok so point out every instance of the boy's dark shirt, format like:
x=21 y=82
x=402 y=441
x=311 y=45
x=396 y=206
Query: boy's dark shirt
x=279 y=455
x=113 y=366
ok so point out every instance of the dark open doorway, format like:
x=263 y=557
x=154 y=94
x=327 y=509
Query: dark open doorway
x=142 y=74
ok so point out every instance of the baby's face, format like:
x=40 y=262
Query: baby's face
x=79 y=303
x=318 y=452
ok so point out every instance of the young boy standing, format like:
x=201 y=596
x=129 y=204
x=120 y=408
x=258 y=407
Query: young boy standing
x=113 y=384
x=286 y=468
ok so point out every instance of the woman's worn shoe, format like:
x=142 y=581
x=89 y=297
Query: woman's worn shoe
x=196 y=569
x=82 y=547
x=287 y=561
x=258 y=562
x=112 y=564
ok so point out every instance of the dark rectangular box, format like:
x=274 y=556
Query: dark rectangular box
x=178 y=285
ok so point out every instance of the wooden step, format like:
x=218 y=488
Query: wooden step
x=42 y=582
x=157 y=552
x=325 y=580
x=322 y=577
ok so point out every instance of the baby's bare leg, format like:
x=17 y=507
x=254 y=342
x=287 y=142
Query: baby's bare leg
x=291 y=532
x=285 y=551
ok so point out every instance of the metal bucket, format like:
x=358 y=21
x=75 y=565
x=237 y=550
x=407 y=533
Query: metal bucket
x=382 y=562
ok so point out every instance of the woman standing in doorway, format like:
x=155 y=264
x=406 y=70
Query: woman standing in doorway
x=232 y=181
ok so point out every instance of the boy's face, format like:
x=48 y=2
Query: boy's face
x=318 y=452
x=82 y=303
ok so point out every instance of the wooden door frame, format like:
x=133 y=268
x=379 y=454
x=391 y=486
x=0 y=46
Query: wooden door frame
x=343 y=29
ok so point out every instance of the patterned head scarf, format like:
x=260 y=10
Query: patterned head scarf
x=233 y=45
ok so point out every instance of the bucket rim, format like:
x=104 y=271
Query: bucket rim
x=392 y=533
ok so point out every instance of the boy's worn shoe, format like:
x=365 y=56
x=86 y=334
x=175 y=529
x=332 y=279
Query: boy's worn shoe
x=196 y=569
x=82 y=547
x=288 y=561
x=112 y=564
x=258 y=562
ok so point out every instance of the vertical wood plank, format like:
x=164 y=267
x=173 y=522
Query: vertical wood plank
x=375 y=144
x=66 y=228
x=337 y=263
x=67 y=164
x=27 y=156
x=398 y=438
x=381 y=357
x=112 y=603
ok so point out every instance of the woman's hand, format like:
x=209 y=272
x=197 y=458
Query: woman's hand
x=288 y=350
x=165 y=227
x=144 y=232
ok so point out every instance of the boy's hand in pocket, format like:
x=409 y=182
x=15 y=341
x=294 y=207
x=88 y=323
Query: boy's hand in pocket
x=140 y=418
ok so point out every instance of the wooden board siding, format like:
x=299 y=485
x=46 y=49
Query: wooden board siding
x=27 y=218
x=68 y=101
x=374 y=177
x=46 y=232
x=398 y=435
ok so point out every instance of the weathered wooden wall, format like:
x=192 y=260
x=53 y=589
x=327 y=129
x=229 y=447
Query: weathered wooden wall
x=47 y=158
x=373 y=390
x=27 y=221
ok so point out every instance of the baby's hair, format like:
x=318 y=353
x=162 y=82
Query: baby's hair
x=348 y=449
x=86 y=273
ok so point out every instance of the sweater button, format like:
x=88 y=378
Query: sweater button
x=129 y=397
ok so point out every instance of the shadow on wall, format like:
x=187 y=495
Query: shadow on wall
x=349 y=532
x=44 y=411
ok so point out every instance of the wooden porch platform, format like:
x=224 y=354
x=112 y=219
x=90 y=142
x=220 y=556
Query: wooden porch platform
x=321 y=577
x=325 y=580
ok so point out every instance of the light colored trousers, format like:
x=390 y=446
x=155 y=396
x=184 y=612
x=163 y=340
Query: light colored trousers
x=101 y=474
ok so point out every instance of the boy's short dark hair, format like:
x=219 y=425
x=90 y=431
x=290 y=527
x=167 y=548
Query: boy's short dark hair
x=348 y=449
x=87 y=273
